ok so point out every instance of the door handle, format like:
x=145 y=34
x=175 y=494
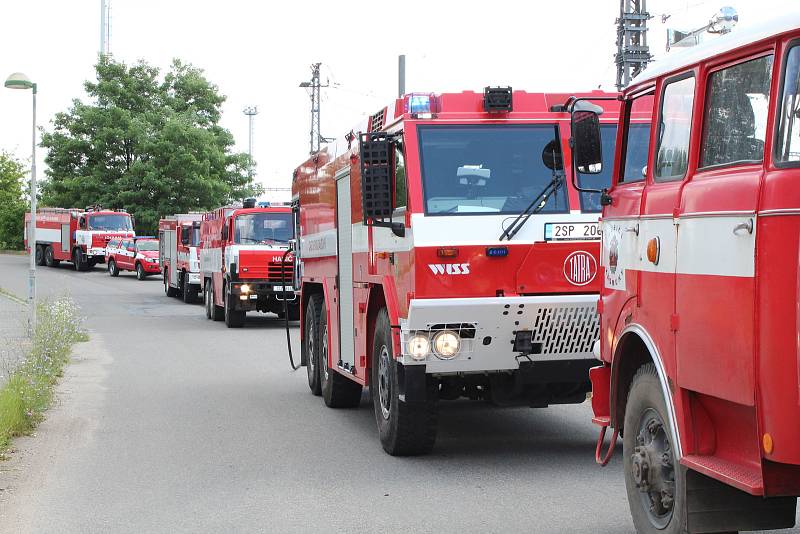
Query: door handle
x=746 y=226
x=634 y=229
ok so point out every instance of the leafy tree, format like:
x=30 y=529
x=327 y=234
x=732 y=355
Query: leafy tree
x=152 y=146
x=12 y=202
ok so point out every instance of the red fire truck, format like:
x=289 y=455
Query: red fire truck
x=443 y=255
x=699 y=302
x=75 y=235
x=179 y=242
x=242 y=262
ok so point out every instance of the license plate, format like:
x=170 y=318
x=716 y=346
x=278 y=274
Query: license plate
x=281 y=288
x=577 y=231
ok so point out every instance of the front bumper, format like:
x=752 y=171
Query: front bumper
x=563 y=328
x=151 y=268
x=96 y=253
x=260 y=294
x=194 y=278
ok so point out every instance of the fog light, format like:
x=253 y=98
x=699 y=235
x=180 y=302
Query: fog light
x=446 y=344
x=244 y=288
x=418 y=347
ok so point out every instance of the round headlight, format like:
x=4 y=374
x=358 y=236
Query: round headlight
x=418 y=346
x=244 y=288
x=446 y=344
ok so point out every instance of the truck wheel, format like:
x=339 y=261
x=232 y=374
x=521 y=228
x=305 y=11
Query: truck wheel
x=652 y=476
x=338 y=391
x=207 y=301
x=49 y=258
x=113 y=270
x=404 y=428
x=217 y=312
x=140 y=274
x=233 y=318
x=79 y=260
x=312 y=342
x=168 y=289
x=187 y=293
x=39 y=255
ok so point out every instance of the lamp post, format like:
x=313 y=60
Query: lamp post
x=19 y=81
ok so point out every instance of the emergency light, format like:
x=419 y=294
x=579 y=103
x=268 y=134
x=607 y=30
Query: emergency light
x=497 y=252
x=422 y=105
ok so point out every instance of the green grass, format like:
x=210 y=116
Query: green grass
x=29 y=390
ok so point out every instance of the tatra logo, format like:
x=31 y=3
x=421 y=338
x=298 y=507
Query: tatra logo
x=580 y=268
x=449 y=268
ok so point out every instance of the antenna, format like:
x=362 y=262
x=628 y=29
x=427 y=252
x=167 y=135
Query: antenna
x=105 y=28
x=315 y=86
x=633 y=54
x=251 y=112
x=721 y=23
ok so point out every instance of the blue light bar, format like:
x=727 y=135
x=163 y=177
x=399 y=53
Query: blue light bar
x=497 y=252
x=419 y=103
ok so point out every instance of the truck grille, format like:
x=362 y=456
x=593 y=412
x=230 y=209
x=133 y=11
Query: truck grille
x=274 y=271
x=566 y=329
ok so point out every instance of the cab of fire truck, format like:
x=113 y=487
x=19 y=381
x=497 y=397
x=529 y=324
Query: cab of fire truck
x=699 y=303
x=443 y=254
x=96 y=226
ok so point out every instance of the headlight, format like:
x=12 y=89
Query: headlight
x=446 y=344
x=244 y=288
x=418 y=347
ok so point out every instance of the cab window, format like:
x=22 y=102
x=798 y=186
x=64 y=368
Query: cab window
x=674 y=129
x=787 y=147
x=400 y=188
x=735 y=120
x=636 y=140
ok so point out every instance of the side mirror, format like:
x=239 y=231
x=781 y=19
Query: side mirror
x=185 y=235
x=133 y=221
x=586 y=142
x=377 y=181
x=225 y=231
x=82 y=222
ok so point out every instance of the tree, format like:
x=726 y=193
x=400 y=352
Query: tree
x=153 y=147
x=12 y=202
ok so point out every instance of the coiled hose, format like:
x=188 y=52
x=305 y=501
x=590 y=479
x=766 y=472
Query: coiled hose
x=286 y=310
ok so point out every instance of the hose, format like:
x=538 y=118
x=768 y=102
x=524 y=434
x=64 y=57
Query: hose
x=286 y=310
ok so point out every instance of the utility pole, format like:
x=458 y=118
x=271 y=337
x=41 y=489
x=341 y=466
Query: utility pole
x=105 y=28
x=633 y=54
x=315 y=135
x=401 y=75
x=251 y=112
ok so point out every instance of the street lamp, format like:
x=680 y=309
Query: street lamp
x=19 y=81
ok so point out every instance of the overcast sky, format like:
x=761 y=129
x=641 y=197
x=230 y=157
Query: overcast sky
x=257 y=52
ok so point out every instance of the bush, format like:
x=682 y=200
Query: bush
x=29 y=389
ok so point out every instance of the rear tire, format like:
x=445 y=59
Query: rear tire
x=217 y=312
x=187 y=293
x=311 y=342
x=207 y=299
x=233 y=318
x=404 y=428
x=647 y=440
x=113 y=270
x=39 y=255
x=49 y=257
x=338 y=391
x=140 y=274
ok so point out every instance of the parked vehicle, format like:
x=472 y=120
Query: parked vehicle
x=78 y=236
x=179 y=239
x=137 y=254
x=419 y=276
x=699 y=305
x=242 y=262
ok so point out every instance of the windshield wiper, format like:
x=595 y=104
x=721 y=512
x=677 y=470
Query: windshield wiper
x=536 y=205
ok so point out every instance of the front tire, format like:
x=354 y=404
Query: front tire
x=405 y=428
x=113 y=270
x=233 y=318
x=653 y=478
x=311 y=342
x=79 y=260
x=338 y=391
x=140 y=274
x=187 y=293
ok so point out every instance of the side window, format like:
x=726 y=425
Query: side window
x=636 y=139
x=400 y=188
x=787 y=147
x=674 y=128
x=735 y=122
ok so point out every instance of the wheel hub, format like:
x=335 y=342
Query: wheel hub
x=324 y=352
x=653 y=469
x=384 y=383
x=312 y=364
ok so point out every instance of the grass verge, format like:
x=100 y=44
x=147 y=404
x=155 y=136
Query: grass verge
x=29 y=390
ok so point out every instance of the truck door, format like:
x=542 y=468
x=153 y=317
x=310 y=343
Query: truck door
x=658 y=232
x=344 y=256
x=715 y=285
x=620 y=243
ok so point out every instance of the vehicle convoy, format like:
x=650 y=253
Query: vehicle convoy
x=179 y=238
x=78 y=236
x=243 y=262
x=136 y=254
x=699 y=303
x=443 y=255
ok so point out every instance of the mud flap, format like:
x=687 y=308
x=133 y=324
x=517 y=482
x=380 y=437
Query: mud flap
x=412 y=382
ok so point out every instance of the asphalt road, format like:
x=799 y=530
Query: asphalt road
x=167 y=422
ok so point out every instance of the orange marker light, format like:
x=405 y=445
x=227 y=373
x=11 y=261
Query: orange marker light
x=766 y=441
x=447 y=252
x=653 y=250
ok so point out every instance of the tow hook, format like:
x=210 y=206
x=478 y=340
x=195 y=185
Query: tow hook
x=598 y=453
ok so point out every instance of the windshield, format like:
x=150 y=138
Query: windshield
x=263 y=228
x=488 y=169
x=120 y=222
x=150 y=245
x=602 y=180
